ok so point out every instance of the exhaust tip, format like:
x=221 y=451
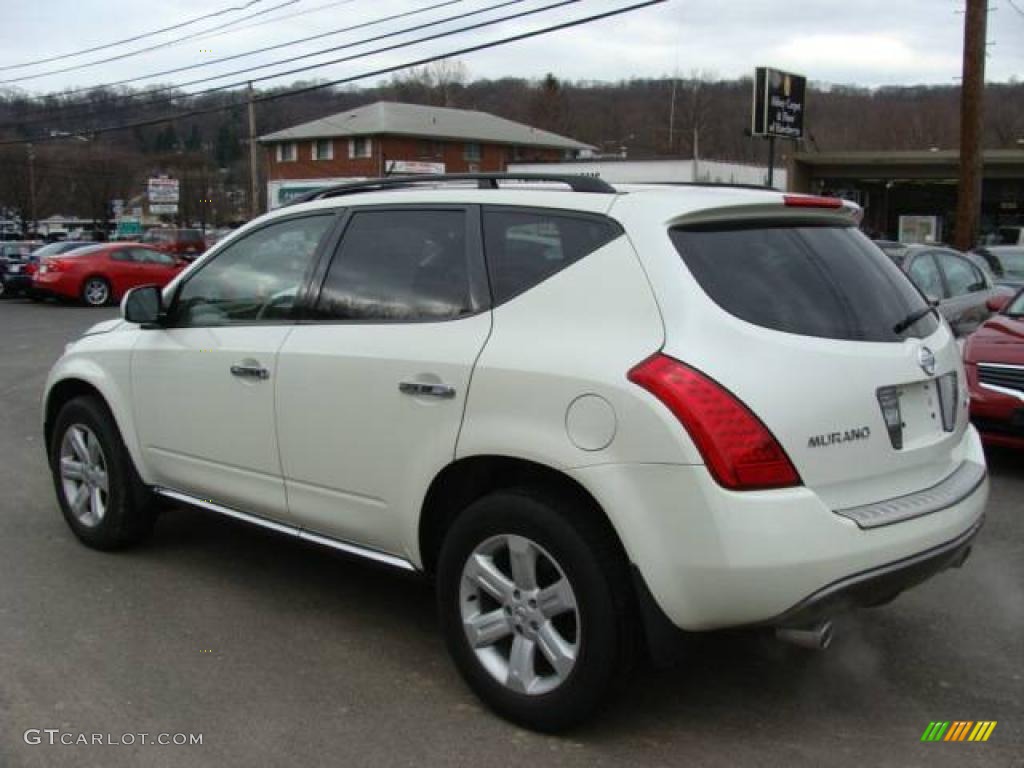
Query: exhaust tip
x=817 y=637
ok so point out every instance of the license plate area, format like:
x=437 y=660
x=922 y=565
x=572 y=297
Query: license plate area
x=919 y=412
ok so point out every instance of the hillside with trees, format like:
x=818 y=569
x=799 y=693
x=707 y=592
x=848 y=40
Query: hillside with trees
x=78 y=172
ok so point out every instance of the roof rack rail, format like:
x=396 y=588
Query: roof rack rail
x=724 y=184
x=484 y=181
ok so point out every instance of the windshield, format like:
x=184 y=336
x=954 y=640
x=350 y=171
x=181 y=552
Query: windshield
x=1009 y=235
x=1016 y=306
x=1012 y=261
x=54 y=248
x=827 y=281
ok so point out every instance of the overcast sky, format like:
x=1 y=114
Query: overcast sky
x=862 y=42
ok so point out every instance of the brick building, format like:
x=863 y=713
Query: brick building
x=388 y=137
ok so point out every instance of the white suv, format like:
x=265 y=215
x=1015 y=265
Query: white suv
x=595 y=416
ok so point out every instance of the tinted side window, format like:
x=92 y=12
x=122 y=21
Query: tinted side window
x=255 y=279
x=826 y=281
x=961 y=276
x=123 y=254
x=399 y=265
x=525 y=248
x=926 y=276
x=153 y=257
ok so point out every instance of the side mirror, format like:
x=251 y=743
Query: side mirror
x=997 y=303
x=932 y=300
x=142 y=305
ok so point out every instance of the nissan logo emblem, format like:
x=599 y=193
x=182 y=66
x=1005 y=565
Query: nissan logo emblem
x=926 y=359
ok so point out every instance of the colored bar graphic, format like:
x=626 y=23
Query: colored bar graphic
x=958 y=730
x=934 y=731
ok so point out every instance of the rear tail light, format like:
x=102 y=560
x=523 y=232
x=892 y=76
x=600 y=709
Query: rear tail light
x=738 y=449
x=811 y=201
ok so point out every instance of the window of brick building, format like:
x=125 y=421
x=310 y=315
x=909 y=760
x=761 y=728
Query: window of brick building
x=360 y=146
x=471 y=152
x=287 y=152
x=323 y=149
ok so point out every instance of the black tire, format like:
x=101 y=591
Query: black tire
x=129 y=509
x=4 y=293
x=93 y=288
x=590 y=558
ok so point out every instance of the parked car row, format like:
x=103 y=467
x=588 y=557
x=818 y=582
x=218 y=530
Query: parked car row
x=93 y=273
x=960 y=284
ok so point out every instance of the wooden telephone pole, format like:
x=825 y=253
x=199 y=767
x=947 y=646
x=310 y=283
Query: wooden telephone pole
x=253 y=175
x=972 y=92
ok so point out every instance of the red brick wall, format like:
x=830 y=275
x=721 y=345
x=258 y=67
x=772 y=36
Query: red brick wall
x=493 y=158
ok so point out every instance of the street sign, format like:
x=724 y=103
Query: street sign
x=413 y=167
x=162 y=190
x=778 y=108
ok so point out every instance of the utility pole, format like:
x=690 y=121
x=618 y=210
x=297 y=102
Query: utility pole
x=31 y=187
x=253 y=179
x=968 y=205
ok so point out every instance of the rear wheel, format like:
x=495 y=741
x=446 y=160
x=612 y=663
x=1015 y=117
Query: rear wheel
x=102 y=498
x=96 y=292
x=532 y=594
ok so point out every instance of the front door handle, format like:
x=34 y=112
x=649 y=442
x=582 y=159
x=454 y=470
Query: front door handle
x=423 y=389
x=250 y=372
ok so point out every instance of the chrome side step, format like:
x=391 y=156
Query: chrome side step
x=291 y=530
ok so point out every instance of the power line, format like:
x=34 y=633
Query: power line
x=365 y=54
x=144 y=35
x=1015 y=7
x=285 y=17
x=363 y=76
x=244 y=54
x=148 y=49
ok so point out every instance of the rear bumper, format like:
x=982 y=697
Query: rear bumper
x=713 y=558
x=55 y=285
x=16 y=283
x=878 y=585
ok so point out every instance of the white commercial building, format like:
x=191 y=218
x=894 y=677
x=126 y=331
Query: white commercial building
x=661 y=170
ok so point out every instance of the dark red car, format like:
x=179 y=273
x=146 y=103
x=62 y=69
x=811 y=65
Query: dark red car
x=184 y=243
x=103 y=273
x=994 y=357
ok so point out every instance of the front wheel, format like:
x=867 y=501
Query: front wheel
x=96 y=292
x=102 y=498
x=533 y=599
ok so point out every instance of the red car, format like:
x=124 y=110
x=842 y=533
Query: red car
x=103 y=273
x=184 y=243
x=994 y=357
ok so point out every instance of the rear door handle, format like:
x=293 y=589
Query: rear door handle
x=422 y=389
x=250 y=372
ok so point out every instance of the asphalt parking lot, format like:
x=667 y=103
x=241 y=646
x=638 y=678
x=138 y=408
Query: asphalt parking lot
x=282 y=654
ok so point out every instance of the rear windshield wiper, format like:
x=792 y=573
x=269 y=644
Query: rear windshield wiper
x=912 y=318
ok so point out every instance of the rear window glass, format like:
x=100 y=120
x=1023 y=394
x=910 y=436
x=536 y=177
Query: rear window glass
x=824 y=281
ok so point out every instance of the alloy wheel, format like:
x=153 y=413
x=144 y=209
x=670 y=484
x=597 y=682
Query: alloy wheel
x=96 y=293
x=83 y=474
x=520 y=615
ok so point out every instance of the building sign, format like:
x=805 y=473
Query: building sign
x=283 y=191
x=919 y=229
x=164 y=209
x=778 y=104
x=162 y=190
x=402 y=167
